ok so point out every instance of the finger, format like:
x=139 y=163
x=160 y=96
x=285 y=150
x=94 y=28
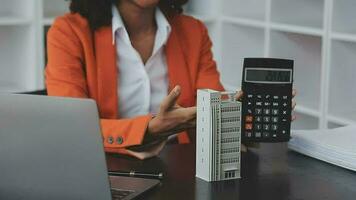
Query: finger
x=294 y=93
x=183 y=115
x=192 y=123
x=239 y=95
x=158 y=149
x=294 y=104
x=175 y=130
x=184 y=127
x=170 y=100
x=149 y=153
x=191 y=113
x=177 y=106
x=294 y=117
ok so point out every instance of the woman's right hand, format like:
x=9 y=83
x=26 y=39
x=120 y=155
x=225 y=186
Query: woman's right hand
x=172 y=117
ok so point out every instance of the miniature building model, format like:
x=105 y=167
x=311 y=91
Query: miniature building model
x=218 y=136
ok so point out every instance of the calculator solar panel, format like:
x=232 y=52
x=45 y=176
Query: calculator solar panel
x=267 y=84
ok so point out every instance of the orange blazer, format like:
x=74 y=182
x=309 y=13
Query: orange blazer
x=82 y=64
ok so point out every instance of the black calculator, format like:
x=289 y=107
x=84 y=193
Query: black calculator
x=267 y=84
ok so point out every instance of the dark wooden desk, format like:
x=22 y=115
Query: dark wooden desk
x=269 y=173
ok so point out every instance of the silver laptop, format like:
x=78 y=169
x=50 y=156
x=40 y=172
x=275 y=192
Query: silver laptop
x=51 y=148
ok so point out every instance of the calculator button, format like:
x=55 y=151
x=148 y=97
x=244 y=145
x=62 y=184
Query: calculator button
x=259 y=103
x=274 y=135
x=258 y=111
x=285 y=97
x=248 y=134
x=250 y=96
x=276 y=97
x=249 y=111
x=266 y=134
x=274 y=127
x=267 y=103
x=248 y=126
x=249 y=103
x=258 y=119
x=275 y=104
x=249 y=118
x=284 y=112
x=259 y=96
x=275 y=111
x=266 y=127
x=275 y=119
x=284 y=131
x=267 y=96
x=258 y=126
x=285 y=105
x=258 y=134
x=266 y=119
x=267 y=111
x=284 y=120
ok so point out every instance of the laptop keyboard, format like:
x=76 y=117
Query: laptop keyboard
x=120 y=194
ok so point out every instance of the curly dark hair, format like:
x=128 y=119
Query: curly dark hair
x=98 y=12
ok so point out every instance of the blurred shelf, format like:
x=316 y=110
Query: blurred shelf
x=342 y=93
x=342 y=121
x=244 y=22
x=305 y=122
x=204 y=18
x=199 y=7
x=307 y=111
x=48 y=21
x=332 y=125
x=14 y=21
x=251 y=9
x=10 y=87
x=54 y=8
x=343 y=37
x=308 y=13
x=297 y=29
x=344 y=15
x=238 y=42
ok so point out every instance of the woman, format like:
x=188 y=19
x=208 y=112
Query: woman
x=127 y=55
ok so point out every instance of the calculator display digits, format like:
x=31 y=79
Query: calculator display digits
x=267 y=103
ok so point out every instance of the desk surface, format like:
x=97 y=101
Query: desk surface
x=271 y=172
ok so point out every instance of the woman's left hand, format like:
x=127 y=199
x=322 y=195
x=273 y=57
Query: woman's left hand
x=148 y=153
x=294 y=103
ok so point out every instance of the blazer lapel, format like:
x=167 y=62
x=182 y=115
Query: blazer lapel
x=107 y=73
x=178 y=71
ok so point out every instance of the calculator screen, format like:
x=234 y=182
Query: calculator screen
x=264 y=75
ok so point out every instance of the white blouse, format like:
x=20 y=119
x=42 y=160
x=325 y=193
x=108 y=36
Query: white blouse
x=141 y=87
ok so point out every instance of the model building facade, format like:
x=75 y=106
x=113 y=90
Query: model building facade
x=218 y=136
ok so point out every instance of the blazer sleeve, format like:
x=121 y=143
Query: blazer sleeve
x=208 y=75
x=65 y=76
